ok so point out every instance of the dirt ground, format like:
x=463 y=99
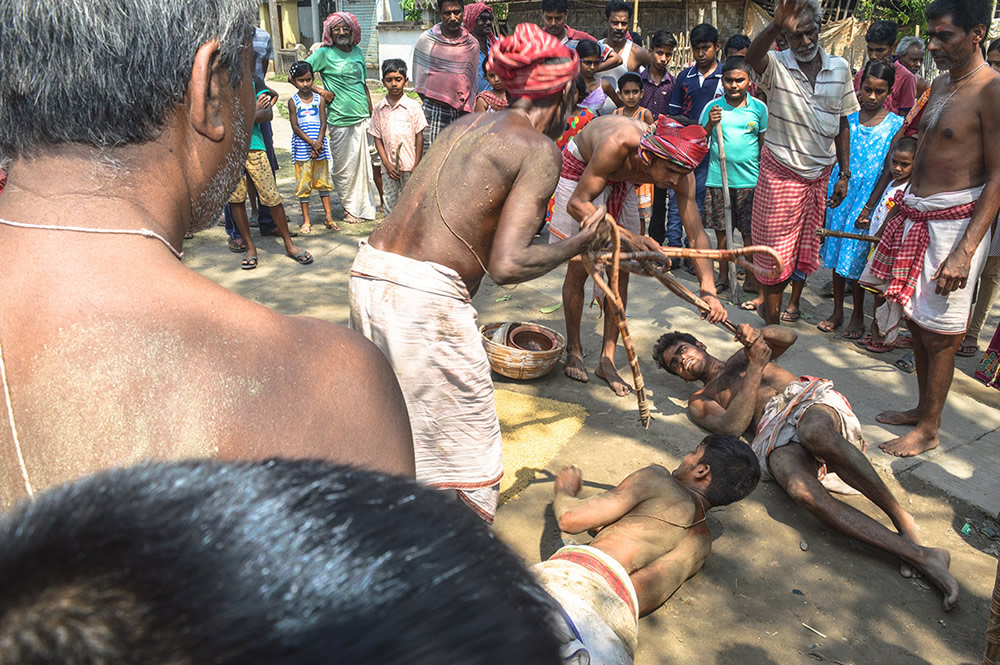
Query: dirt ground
x=779 y=588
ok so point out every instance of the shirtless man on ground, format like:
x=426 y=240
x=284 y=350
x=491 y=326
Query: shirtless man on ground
x=955 y=194
x=601 y=165
x=113 y=350
x=806 y=437
x=471 y=208
x=652 y=538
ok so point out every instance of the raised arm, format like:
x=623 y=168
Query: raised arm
x=576 y=515
x=785 y=18
x=736 y=418
x=514 y=257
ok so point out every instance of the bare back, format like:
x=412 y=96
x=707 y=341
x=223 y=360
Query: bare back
x=485 y=171
x=951 y=153
x=615 y=139
x=112 y=363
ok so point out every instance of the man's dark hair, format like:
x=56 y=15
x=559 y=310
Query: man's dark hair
x=994 y=46
x=906 y=144
x=67 y=96
x=587 y=48
x=735 y=468
x=966 y=14
x=629 y=77
x=736 y=43
x=880 y=70
x=393 y=66
x=702 y=33
x=298 y=562
x=882 y=32
x=736 y=62
x=299 y=69
x=666 y=341
x=663 y=38
x=617 y=6
x=442 y=3
x=559 y=6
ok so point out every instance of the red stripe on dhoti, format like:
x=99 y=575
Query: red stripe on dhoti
x=787 y=211
x=595 y=565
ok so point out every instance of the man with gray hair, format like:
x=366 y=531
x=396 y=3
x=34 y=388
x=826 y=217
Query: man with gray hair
x=111 y=350
x=810 y=94
x=910 y=54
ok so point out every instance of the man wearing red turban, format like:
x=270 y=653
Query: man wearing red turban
x=601 y=166
x=478 y=20
x=471 y=207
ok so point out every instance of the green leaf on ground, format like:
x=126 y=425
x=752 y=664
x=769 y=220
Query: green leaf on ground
x=504 y=298
x=550 y=308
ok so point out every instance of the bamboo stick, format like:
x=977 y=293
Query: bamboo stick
x=827 y=233
x=734 y=285
x=735 y=255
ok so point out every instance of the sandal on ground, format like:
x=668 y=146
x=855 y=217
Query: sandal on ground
x=749 y=306
x=188 y=235
x=791 y=316
x=237 y=245
x=333 y=226
x=827 y=327
x=864 y=341
x=303 y=257
x=249 y=263
x=876 y=346
x=967 y=350
x=906 y=363
x=306 y=229
x=904 y=341
x=853 y=333
x=721 y=287
x=274 y=232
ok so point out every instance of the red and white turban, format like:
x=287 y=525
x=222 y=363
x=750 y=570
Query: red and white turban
x=341 y=17
x=471 y=14
x=532 y=63
x=684 y=146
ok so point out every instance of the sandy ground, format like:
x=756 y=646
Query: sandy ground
x=760 y=587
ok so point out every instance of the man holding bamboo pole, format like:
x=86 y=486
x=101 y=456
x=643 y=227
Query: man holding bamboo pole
x=601 y=165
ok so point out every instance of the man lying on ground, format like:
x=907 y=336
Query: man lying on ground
x=652 y=538
x=470 y=209
x=806 y=437
x=291 y=562
x=114 y=350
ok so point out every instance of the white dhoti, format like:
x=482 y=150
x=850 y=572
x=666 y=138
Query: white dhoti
x=420 y=314
x=598 y=623
x=942 y=314
x=779 y=424
x=351 y=170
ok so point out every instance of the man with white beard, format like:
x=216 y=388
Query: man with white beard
x=810 y=94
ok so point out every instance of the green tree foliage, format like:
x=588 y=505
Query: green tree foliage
x=906 y=13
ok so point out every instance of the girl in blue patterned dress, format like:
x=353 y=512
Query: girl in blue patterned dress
x=872 y=130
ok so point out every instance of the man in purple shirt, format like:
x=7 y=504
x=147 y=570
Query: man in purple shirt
x=881 y=40
x=657 y=89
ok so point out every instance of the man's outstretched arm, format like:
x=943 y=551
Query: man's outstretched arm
x=736 y=418
x=691 y=220
x=779 y=338
x=576 y=515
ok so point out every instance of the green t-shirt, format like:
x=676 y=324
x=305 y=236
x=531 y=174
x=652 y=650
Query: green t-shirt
x=741 y=128
x=344 y=75
x=256 y=138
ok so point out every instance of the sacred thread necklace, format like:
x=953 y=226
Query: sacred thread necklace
x=144 y=232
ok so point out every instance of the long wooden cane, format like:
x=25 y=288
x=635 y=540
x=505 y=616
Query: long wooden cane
x=734 y=286
x=992 y=655
x=827 y=233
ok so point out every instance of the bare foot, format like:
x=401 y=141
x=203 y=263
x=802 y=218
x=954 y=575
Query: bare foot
x=910 y=417
x=569 y=480
x=910 y=444
x=606 y=370
x=351 y=219
x=575 y=369
x=831 y=324
x=934 y=565
x=907 y=528
x=332 y=225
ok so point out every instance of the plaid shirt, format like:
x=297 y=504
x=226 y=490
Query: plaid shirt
x=655 y=97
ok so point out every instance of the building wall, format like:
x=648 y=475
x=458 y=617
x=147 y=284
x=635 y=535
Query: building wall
x=396 y=40
x=289 y=13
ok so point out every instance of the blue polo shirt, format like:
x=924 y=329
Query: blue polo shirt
x=691 y=93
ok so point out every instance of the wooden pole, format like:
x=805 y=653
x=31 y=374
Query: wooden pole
x=272 y=9
x=635 y=19
x=715 y=13
x=734 y=286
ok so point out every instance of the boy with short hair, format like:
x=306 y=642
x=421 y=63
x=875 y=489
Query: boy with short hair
x=882 y=39
x=736 y=45
x=630 y=91
x=696 y=86
x=657 y=89
x=398 y=125
x=743 y=120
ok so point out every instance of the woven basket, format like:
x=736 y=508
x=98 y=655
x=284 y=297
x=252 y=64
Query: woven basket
x=517 y=363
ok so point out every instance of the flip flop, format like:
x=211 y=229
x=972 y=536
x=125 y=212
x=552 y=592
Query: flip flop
x=303 y=257
x=791 y=316
x=237 y=245
x=749 y=306
x=249 y=263
x=906 y=363
x=333 y=226
x=827 y=327
x=863 y=342
x=305 y=229
x=880 y=347
x=721 y=287
x=967 y=350
x=904 y=341
x=853 y=334
x=188 y=235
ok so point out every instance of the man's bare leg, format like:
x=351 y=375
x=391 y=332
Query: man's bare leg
x=819 y=433
x=771 y=306
x=795 y=297
x=911 y=416
x=834 y=320
x=572 y=297
x=280 y=221
x=243 y=226
x=606 y=365
x=795 y=470
x=937 y=353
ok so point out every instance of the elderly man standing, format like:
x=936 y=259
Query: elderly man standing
x=445 y=58
x=810 y=94
x=340 y=69
x=112 y=350
x=471 y=208
x=936 y=241
x=910 y=54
